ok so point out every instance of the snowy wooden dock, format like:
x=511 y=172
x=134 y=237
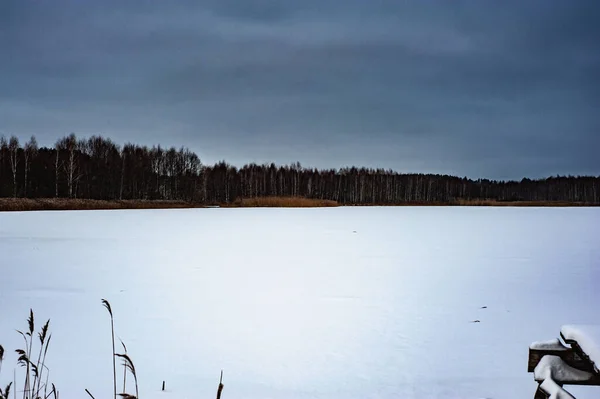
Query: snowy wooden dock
x=574 y=359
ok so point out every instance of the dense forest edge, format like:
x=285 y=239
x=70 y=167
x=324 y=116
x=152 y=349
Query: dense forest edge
x=64 y=204
x=96 y=173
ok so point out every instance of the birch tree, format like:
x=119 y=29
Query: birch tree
x=56 y=164
x=70 y=146
x=13 y=151
x=30 y=151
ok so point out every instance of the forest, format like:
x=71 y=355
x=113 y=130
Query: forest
x=98 y=168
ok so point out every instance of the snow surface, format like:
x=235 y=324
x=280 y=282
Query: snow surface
x=553 y=344
x=555 y=368
x=555 y=390
x=291 y=303
x=588 y=339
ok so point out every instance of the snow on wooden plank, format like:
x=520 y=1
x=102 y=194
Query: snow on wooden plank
x=554 y=391
x=538 y=350
x=587 y=338
x=555 y=368
x=550 y=345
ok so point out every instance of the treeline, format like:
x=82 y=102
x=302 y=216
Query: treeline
x=98 y=168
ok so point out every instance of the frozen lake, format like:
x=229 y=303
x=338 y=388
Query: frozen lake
x=301 y=303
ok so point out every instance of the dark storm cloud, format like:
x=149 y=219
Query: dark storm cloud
x=477 y=88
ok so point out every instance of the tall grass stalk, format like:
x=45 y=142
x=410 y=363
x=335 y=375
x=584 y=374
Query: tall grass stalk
x=128 y=364
x=34 y=371
x=40 y=370
x=6 y=393
x=31 y=324
x=124 y=367
x=1 y=357
x=112 y=328
x=46 y=384
x=43 y=365
x=23 y=361
x=220 y=389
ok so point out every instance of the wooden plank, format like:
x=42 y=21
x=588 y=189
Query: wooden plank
x=587 y=337
x=595 y=382
x=569 y=356
x=540 y=393
x=587 y=364
x=555 y=368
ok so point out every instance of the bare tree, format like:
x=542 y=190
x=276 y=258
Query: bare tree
x=13 y=150
x=3 y=150
x=56 y=167
x=157 y=160
x=70 y=146
x=127 y=149
x=31 y=150
x=72 y=165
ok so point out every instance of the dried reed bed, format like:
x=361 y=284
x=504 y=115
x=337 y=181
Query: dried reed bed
x=48 y=204
x=487 y=202
x=492 y=202
x=63 y=204
x=283 y=202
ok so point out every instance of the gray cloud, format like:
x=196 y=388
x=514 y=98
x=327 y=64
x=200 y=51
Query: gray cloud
x=477 y=88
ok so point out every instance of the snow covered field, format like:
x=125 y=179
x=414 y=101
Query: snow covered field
x=301 y=303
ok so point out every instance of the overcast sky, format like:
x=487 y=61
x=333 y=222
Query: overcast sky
x=498 y=89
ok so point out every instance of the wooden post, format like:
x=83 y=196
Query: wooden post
x=539 y=394
x=163 y=387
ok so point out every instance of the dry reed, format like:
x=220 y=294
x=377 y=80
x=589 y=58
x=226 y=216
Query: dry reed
x=65 y=204
x=128 y=364
x=125 y=368
x=34 y=370
x=112 y=328
x=283 y=202
x=49 y=204
x=220 y=388
x=6 y=393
